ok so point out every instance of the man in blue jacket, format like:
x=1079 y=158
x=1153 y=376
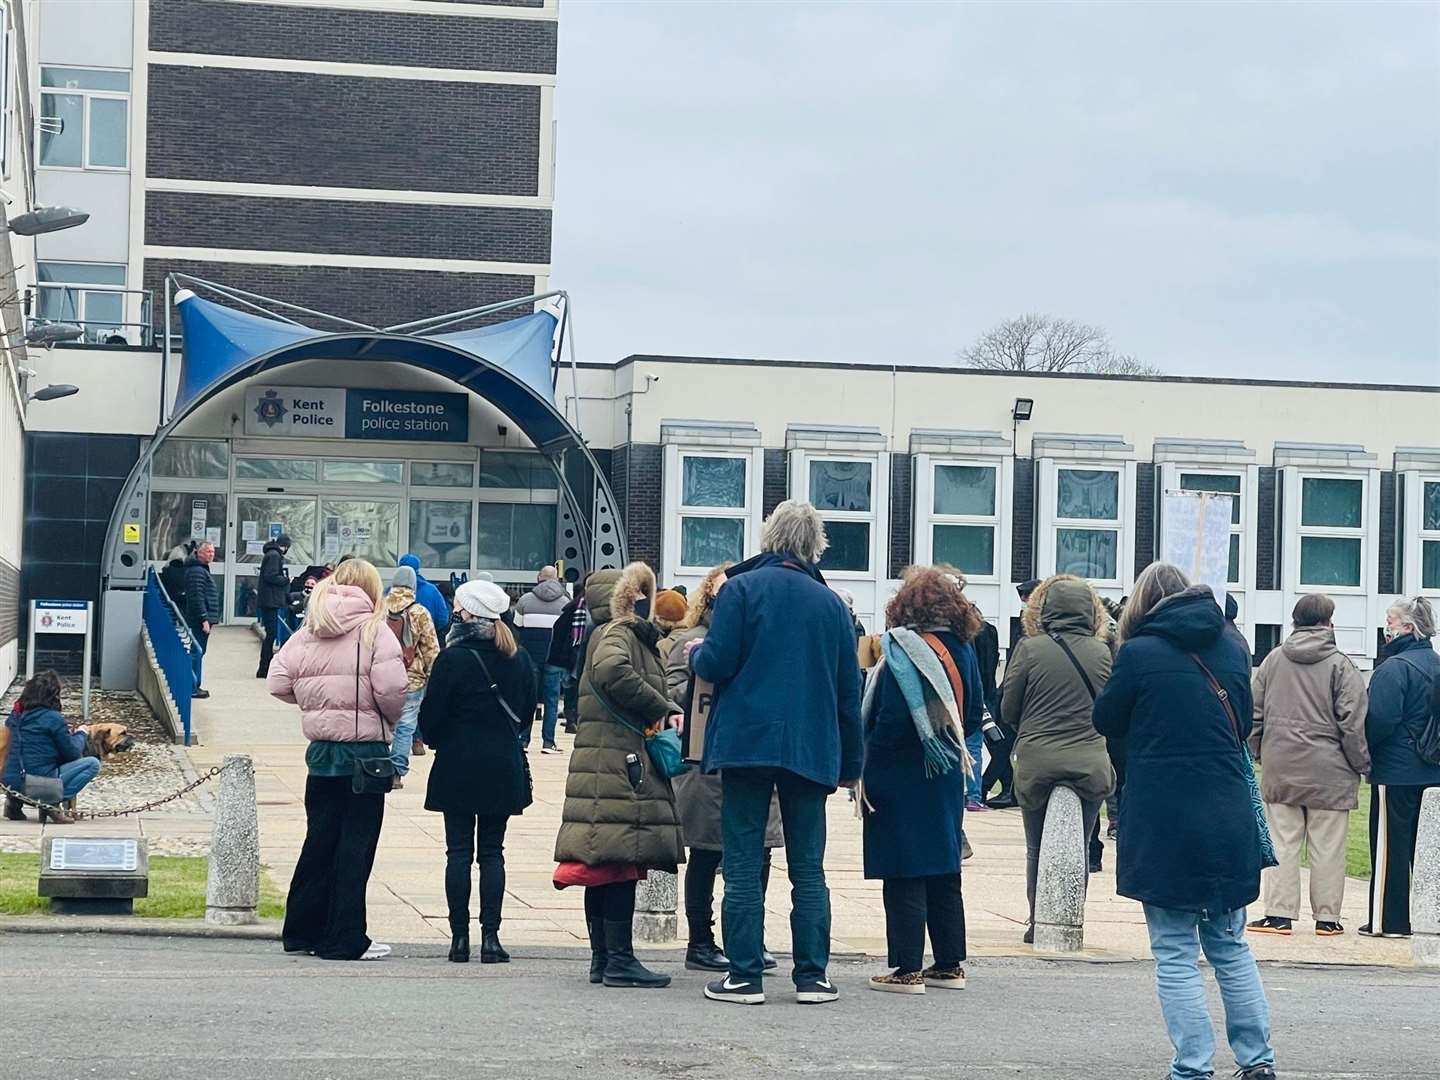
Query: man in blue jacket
x=429 y=596
x=202 y=609
x=781 y=654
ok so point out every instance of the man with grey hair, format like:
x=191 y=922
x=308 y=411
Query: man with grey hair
x=786 y=719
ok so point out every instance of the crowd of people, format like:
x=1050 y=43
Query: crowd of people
x=1150 y=709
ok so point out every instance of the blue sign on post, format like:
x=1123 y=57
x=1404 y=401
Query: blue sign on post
x=407 y=416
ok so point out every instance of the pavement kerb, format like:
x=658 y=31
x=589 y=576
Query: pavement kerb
x=268 y=930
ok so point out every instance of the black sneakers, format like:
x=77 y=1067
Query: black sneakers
x=1270 y=924
x=1256 y=1072
x=737 y=993
x=1329 y=929
x=816 y=993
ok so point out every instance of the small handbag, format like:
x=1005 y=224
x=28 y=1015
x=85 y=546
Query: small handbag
x=666 y=752
x=49 y=790
x=515 y=721
x=1257 y=803
x=373 y=775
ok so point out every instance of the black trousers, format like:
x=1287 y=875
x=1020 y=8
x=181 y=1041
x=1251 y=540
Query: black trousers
x=914 y=904
x=999 y=770
x=700 y=868
x=1394 y=825
x=325 y=911
x=270 y=620
x=610 y=903
x=480 y=840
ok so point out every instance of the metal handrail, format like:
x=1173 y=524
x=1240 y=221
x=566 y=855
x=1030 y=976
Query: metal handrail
x=180 y=623
x=144 y=324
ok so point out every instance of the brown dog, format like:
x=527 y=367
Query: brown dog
x=102 y=740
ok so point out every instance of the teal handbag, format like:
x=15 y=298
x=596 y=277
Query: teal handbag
x=667 y=756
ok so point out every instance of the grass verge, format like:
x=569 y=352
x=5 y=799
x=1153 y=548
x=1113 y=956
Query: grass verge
x=177 y=888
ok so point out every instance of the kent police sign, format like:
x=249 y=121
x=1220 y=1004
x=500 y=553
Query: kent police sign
x=331 y=413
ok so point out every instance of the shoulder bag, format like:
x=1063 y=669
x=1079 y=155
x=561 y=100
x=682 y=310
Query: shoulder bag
x=375 y=775
x=49 y=790
x=1257 y=804
x=514 y=722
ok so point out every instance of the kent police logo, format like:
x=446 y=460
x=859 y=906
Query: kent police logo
x=270 y=410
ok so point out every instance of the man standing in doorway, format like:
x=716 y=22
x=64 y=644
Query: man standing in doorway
x=536 y=614
x=202 y=608
x=272 y=597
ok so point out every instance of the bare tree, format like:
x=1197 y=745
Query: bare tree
x=1035 y=342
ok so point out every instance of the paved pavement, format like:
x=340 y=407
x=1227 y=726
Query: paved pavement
x=406 y=899
x=158 y=1009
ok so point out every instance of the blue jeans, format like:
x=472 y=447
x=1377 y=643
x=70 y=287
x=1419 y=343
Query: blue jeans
x=554 y=681
x=1176 y=938
x=404 y=736
x=745 y=808
x=200 y=641
x=974 y=743
x=74 y=775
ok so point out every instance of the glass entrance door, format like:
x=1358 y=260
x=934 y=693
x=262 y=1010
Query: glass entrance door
x=257 y=518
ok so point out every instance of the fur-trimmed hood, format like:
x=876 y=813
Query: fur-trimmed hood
x=612 y=595
x=701 y=598
x=1066 y=602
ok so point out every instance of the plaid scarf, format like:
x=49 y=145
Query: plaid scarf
x=579 y=624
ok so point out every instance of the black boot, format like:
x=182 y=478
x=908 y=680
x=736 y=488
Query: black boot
x=491 y=951
x=621 y=967
x=460 y=946
x=14 y=809
x=597 y=951
x=705 y=956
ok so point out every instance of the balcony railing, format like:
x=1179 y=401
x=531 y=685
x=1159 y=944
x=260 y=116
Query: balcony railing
x=70 y=304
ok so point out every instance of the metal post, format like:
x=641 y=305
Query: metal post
x=85 y=678
x=30 y=646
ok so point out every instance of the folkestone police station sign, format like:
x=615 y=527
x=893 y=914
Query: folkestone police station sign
x=333 y=413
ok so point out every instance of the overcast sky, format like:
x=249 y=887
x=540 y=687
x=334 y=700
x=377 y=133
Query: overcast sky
x=1229 y=189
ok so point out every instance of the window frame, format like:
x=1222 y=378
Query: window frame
x=869 y=517
x=936 y=519
x=744 y=514
x=1425 y=536
x=1359 y=533
x=82 y=291
x=86 y=96
x=1117 y=525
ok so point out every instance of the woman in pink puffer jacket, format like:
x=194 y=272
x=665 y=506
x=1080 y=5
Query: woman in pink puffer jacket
x=346 y=673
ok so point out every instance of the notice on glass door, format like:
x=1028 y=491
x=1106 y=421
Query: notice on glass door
x=249 y=530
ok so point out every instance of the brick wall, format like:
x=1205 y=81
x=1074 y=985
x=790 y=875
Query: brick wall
x=342 y=131
x=1390 y=573
x=635 y=476
x=1144 y=516
x=1022 y=522
x=777 y=481
x=496 y=234
x=1267 y=510
x=902 y=513
x=374 y=37
x=378 y=297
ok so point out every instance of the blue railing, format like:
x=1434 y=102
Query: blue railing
x=172 y=647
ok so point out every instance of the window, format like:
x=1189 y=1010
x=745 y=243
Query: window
x=368 y=530
x=440 y=533
x=1430 y=535
x=364 y=472
x=964 y=518
x=260 y=515
x=1222 y=484
x=275 y=469
x=1332 y=515
x=499 y=469
x=177 y=517
x=515 y=536
x=442 y=474
x=64 y=297
x=841 y=490
x=714 y=509
x=202 y=459
x=1088 y=543
x=84 y=118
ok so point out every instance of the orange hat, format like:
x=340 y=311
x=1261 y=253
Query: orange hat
x=670 y=606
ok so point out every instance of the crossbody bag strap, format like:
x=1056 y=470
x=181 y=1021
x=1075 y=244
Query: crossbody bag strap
x=952 y=673
x=494 y=689
x=1222 y=694
x=1085 y=678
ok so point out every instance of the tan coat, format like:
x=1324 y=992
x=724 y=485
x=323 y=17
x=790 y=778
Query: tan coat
x=1309 y=733
x=422 y=635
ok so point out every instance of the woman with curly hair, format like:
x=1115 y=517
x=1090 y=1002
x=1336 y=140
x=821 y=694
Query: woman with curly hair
x=921 y=700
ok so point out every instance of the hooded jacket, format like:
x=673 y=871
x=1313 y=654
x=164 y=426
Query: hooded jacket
x=781 y=653
x=274 y=590
x=1401 y=692
x=1046 y=702
x=606 y=819
x=1191 y=841
x=428 y=595
x=546 y=598
x=343 y=685
x=1309 y=731
x=400 y=600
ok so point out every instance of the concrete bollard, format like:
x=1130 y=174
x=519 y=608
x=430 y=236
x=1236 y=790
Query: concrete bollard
x=655 y=902
x=232 y=892
x=1425 y=885
x=1060 y=882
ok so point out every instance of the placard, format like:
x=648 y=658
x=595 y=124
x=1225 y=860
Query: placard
x=254 y=547
x=249 y=530
x=334 y=413
x=702 y=701
x=132 y=532
x=61 y=617
x=1197 y=537
x=212 y=535
x=94 y=854
x=277 y=530
x=197 y=526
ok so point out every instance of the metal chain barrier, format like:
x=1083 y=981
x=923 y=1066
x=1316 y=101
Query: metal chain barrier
x=92 y=815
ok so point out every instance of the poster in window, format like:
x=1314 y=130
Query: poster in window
x=446 y=523
x=1197 y=537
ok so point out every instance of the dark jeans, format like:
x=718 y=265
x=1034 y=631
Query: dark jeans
x=745 y=810
x=270 y=620
x=1035 y=832
x=1394 y=829
x=481 y=840
x=912 y=905
x=200 y=642
x=572 y=702
x=326 y=907
x=610 y=903
x=700 y=869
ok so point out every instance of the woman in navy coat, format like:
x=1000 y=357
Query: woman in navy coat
x=913 y=821
x=1191 y=847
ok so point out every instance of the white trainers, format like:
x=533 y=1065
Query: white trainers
x=376 y=951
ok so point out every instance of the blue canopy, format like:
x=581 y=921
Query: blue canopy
x=220 y=340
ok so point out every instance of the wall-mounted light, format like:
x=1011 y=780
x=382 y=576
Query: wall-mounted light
x=53 y=391
x=47 y=219
x=52 y=333
x=1024 y=407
